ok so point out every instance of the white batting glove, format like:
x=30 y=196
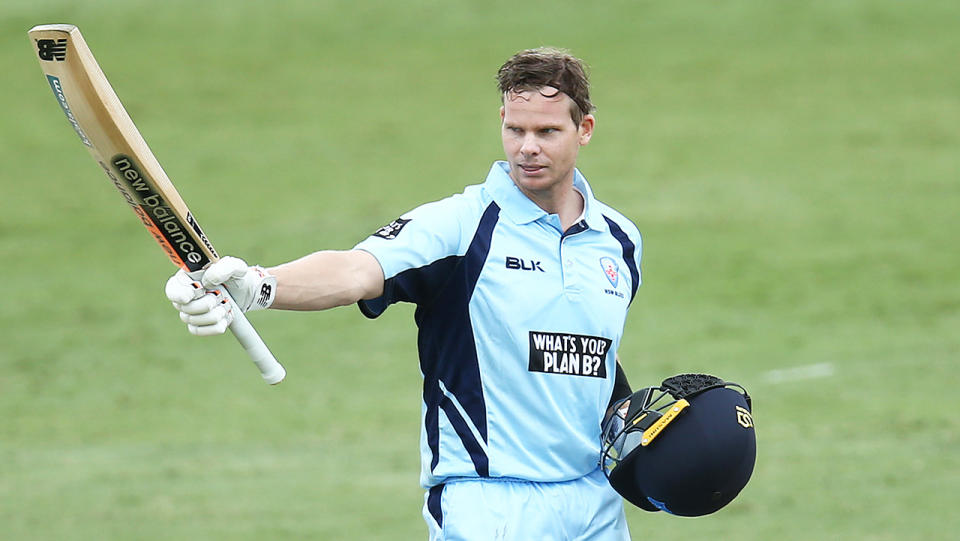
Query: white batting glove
x=252 y=287
x=206 y=313
x=202 y=305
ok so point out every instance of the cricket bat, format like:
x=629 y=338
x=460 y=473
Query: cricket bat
x=104 y=127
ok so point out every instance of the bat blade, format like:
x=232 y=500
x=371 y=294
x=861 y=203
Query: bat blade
x=102 y=124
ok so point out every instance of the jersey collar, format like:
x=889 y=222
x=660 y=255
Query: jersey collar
x=521 y=210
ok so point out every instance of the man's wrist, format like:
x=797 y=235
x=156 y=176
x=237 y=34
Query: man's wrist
x=265 y=291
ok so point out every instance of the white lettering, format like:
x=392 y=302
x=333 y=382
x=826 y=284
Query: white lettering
x=549 y=361
x=592 y=345
x=591 y=365
x=574 y=367
x=568 y=354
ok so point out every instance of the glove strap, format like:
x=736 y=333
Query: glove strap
x=266 y=291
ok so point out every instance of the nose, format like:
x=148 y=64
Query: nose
x=530 y=146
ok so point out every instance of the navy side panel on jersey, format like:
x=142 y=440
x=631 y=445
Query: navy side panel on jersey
x=448 y=356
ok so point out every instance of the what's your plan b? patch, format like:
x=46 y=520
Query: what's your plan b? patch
x=568 y=354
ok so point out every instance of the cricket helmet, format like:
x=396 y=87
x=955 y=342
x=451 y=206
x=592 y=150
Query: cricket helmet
x=687 y=447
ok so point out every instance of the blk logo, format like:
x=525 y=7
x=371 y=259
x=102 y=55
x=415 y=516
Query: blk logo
x=518 y=264
x=52 y=49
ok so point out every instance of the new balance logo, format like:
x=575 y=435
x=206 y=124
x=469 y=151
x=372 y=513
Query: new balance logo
x=266 y=291
x=519 y=264
x=52 y=49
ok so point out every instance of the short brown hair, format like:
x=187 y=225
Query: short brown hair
x=547 y=66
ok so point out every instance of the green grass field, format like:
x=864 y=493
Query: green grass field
x=793 y=167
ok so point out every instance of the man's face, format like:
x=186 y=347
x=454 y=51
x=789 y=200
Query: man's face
x=541 y=141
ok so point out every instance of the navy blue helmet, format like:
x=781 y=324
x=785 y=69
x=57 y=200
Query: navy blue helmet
x=687 y=447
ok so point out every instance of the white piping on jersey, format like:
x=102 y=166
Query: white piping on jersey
x=465 y=417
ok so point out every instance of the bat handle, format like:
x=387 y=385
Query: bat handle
x=271 y=370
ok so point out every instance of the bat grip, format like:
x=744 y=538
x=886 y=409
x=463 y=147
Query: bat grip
x=271 y=370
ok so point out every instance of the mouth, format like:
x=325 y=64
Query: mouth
x=531 y=169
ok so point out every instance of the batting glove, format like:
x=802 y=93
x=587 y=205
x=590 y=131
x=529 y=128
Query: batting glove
x=199 y=297
x=253 y=288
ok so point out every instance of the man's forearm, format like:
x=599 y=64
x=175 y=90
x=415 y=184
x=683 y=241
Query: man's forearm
x=327 y=279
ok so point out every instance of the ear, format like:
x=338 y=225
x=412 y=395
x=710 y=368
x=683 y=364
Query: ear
x=585 y=131
x=502 y=112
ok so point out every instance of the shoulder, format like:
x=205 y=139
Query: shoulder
x=432 y=230
x=460 y=211
x=619 y=219
x=457 y=206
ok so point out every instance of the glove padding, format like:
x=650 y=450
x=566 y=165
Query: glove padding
x=199 y=298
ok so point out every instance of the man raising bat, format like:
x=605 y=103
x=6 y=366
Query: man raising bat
x=522 y=286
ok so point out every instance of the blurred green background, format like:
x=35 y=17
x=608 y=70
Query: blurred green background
x=793 y=167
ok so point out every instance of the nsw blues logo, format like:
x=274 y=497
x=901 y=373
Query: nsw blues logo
x=611 y=269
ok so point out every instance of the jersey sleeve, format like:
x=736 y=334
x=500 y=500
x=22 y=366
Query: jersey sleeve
x=414 y=252
x=628 y=235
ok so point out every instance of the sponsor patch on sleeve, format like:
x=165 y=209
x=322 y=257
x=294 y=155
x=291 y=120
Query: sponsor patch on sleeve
x=391 y=230
x=568 y=354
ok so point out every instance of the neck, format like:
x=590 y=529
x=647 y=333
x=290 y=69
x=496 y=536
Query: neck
x=567 y=204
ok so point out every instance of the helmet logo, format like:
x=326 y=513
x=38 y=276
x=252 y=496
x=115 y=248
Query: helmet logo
x=744 y=417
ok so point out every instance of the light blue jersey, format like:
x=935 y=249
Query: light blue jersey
x=518 y=323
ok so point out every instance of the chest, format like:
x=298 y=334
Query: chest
x=576 y=280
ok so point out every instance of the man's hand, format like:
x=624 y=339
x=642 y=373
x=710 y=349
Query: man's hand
x=202 y=305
